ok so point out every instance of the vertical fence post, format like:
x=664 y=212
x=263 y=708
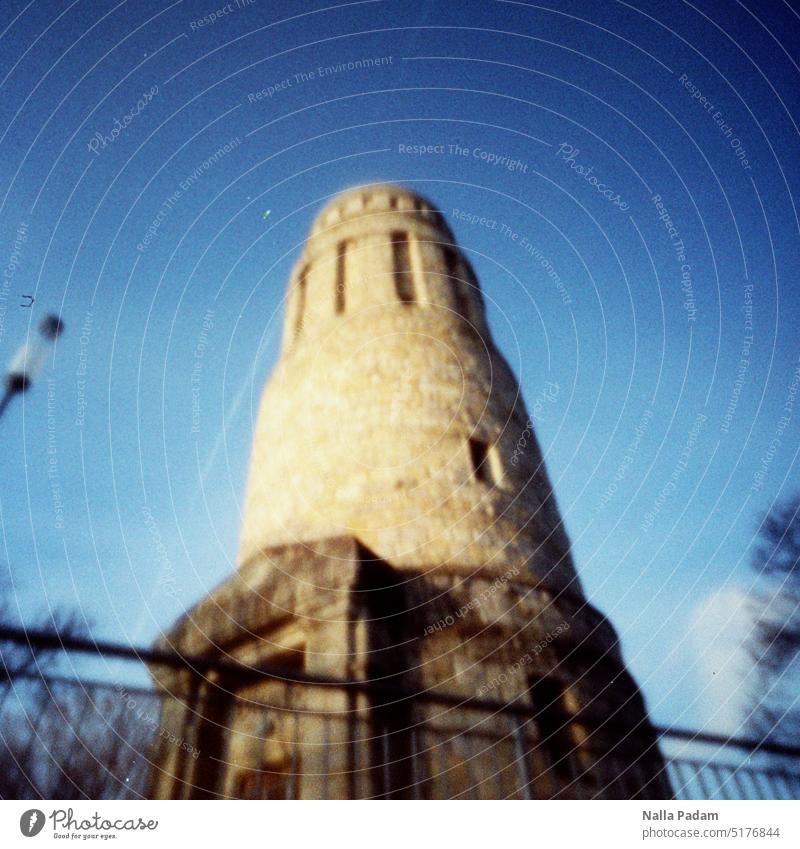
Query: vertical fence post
x=291 y=784
x=522 y=761
x=326 y=754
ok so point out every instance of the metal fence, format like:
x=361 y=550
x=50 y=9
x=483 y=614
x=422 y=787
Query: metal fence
x=704 y=766
x=63 y=736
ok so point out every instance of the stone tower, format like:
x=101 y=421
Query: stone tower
x=399 y=528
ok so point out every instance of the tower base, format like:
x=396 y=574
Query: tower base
x=484 y=687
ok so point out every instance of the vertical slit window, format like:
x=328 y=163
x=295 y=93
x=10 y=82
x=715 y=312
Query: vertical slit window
x=301 y=302
x=453 y=270
x=341 y=275
x=478 y=455
x=403 y=277
x=553 y=721
x=495 y=465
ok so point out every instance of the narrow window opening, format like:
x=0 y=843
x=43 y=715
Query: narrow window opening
x=453 y=269
x=341 y=275
x=495 y=465
x=403 y=277
x=553 y=721
x=478 y=455
x=301 y=302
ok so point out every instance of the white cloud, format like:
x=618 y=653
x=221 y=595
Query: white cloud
x=720 y=626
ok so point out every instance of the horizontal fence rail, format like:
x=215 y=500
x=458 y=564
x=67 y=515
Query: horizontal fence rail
x=66 y=736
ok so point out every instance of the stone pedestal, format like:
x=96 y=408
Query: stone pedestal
x=335 y=611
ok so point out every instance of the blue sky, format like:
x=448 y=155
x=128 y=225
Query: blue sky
x=640 y=100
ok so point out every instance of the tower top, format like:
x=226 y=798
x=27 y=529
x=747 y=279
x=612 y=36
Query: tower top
x=380 y=249
x=371 y=200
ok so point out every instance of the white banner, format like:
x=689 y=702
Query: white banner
x=394 y=824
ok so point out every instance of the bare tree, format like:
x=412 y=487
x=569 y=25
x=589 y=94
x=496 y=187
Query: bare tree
x=775 y=641
x=60 y=738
